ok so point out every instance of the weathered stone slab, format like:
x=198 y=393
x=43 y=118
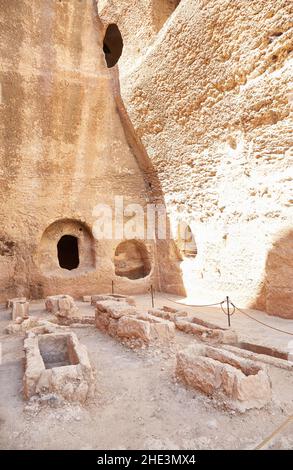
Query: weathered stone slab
x=168 y=313
x=240 y=383
x=212 y=335
x=20 y=309
x=9 y=302
x=115 y=309
x=162 y=331
x=112 y=297
x=123 y=321
x=132 y=328
x=61 y=306
x=57 y=363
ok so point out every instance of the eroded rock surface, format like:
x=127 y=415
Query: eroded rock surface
x=124 y=322
x=57 y=363
x=207 y=88
x=240 y=383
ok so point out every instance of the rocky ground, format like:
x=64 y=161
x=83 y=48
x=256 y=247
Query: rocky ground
x=138 y=404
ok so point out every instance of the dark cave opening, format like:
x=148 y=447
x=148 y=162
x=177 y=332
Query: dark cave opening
x=68 y=254
x=113 y=45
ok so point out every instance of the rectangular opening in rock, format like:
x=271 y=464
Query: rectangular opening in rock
x=266 y=350
x=54 y=351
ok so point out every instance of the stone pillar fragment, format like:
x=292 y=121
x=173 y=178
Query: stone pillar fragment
x=20 y=309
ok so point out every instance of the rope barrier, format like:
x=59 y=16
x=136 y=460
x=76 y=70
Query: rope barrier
x=262 y=323
x=277 y=431
x=221 y=305
x=226 y=312
x=234 y=308
x=192 y=305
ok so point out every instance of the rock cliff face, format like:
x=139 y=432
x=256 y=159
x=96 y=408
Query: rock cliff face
x=206 y=86
x=64 y=149
x=202 y=124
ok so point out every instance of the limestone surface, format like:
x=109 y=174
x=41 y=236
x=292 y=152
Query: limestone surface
x=63 y=151
x=194 y=116
x=240 y=383
x=20 y=309
x=112 y=297
x=124 y=322
x=206 y=85
x=59 y=364
x=63 y=306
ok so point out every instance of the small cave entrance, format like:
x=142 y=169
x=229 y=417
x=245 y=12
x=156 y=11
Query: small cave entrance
x=186 y=241
x=68 y=255
x=66 y=245
x=113 y=45
x=132 y=260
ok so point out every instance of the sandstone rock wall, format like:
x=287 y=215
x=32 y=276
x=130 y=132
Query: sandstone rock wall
x=206 y=87
x=63 y=150
x=208 y=92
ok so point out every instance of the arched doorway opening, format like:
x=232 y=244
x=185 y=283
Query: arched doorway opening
x=186 y=241
x=67 y=245
x=132 y=260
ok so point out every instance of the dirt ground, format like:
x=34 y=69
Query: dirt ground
x=138 y=403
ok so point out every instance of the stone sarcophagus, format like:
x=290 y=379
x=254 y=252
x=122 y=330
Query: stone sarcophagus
x=57 y=363
x=236 y=382
x=124 y=322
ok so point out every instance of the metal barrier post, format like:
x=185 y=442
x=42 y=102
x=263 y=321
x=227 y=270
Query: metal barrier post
x=152 y=295
x=228 y=311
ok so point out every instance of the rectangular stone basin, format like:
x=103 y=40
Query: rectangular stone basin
x=236 y=382
x=55 y=351
x=57 y=363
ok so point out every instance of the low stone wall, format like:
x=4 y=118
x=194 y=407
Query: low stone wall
x=34 y=325
x=239 y=383
x=211 y=335
x=62 y=305
x=205 y=331
x=21 y=325
x=168 y=313
x=286 y=364
x=112 y=297
x=57 y=363
x=124 y=322
x=79 y=320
